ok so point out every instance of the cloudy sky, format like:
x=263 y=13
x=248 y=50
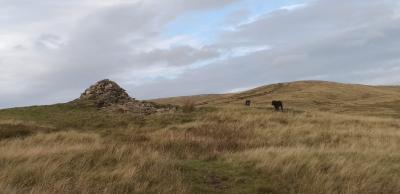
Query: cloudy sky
x=51 y=50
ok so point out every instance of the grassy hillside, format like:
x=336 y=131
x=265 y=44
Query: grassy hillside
x=312 y=95
x=315 y=146
x=198 y=99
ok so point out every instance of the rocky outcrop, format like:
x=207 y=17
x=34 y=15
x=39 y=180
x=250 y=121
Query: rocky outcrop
x=109 y=96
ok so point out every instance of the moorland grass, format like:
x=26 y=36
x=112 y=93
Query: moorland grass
x=225 y=149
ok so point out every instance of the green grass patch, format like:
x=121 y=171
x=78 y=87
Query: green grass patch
x=71 y=116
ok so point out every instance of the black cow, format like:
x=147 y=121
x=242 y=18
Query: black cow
x=248 y=103
x=278 y=105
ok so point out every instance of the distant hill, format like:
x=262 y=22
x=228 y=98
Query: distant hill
x=314 y=95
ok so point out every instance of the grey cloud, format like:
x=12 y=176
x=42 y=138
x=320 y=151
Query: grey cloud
x=348 y=41
x=177 y=56
x=104 y=42
x=321 y=19
x=204 y=4
x=48 y=41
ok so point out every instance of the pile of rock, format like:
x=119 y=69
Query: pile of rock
x=108 y=95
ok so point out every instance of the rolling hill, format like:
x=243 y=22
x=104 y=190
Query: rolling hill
x=309 y=95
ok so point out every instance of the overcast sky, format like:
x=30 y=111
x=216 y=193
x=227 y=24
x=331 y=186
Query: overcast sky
x=51 y=50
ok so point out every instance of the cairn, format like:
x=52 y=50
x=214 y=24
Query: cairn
x=106 y=93
x=109 y=96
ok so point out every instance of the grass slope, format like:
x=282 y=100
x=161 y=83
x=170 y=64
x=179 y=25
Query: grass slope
x=199 y=99
x=220 y=148
x=312 y=95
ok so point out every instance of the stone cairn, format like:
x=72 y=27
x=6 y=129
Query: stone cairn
x=109 y=96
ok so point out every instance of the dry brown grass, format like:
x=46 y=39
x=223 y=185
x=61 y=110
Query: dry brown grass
x=72 y=162
x=188 y=106
x=226 y=149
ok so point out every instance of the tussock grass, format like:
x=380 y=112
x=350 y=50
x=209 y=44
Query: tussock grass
x=324 y=170
x=225 y=149
x=72 y=162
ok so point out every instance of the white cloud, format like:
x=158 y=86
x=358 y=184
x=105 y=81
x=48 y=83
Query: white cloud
x=244 y=51
x=294 y=6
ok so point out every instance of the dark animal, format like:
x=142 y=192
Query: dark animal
x=248 y=103
x=278 y=105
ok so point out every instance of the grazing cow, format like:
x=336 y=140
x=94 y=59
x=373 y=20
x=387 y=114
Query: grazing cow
x=248 y=103
x=278 y=105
